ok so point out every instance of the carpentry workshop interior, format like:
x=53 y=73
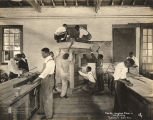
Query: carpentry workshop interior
x=76 y=59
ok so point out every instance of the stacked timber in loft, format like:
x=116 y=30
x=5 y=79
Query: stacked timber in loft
x=18 y=100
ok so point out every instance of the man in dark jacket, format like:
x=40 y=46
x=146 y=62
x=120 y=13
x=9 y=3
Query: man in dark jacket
x=23 y=63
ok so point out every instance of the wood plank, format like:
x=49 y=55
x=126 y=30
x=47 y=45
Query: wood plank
x=10 y=98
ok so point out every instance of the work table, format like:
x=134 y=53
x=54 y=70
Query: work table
x=17 y=96
x=137 y=99
x=142 y=85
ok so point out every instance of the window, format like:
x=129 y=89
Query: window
x=11 y=42
x=147 y=46
x=71 y=30
x=147 y=50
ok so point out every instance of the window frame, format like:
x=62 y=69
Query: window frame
x=2 y=40
x=142 y=64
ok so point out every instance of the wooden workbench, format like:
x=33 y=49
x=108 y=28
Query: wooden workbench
x=15 y=106
x=138 y=99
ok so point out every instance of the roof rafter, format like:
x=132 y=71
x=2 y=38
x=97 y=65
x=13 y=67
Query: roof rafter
x=76 y=2
x=97 y=5
x=122 y=2
x=112 y=3
x=145 y=2
x=53 y=3
x=41 y=2
x=34 y=4
x=87 y=2
x=65 y=3
x=133 y=3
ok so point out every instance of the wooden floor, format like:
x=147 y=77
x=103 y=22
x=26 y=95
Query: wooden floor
x=82 y=106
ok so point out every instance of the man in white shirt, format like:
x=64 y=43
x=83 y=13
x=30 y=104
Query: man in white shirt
x=84 y=35
x=120 y=80
x=61 y=33
x=65 y=74
x=131 y=55
x=47 y=84
x=13 y=69
x=90 y=81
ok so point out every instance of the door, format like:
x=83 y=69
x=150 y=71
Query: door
x=124 y=41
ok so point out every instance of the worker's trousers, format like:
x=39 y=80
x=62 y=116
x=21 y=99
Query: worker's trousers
x=46 y=96
x=120 y=96
x=64 y=86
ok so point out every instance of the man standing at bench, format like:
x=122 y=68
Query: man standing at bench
x=47 y=84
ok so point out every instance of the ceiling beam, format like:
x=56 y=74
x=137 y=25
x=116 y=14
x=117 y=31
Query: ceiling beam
x=133 y=3
x=87 y=2
x=112 y=3
x=53 y=3
x=122 y=2
x=65 y=3
x=34 y=4
x=41 y=2
x=145 y=2
x=76 y=2
x=97 y=5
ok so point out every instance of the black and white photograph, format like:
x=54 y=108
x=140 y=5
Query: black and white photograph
x=76 y=59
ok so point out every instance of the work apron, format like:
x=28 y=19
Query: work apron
x=46 y=96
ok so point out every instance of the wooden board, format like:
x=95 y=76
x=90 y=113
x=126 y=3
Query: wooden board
x=141 y=85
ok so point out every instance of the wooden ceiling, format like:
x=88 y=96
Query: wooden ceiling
x=25 y=3
x=53 y=3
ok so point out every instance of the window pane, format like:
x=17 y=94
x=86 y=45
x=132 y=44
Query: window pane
x=11 y=47
x=144 y=38
x=144 y=31
x=144 y=53
x=149 y=52
x=149 y=59
x=144 y=59
x=149 y=31
x=12 y=30
x=6 y=47
x=144 y=45
x=6 y=55
x=6 y=40
x=149 y=45
x=6 y=35
x=11 y=39
x=17 y=39
x=6 y=30
x=149 y=38
x=17 y=36
x=16 y=47
x=17 y=30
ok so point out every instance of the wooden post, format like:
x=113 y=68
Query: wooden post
x=72 y=70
